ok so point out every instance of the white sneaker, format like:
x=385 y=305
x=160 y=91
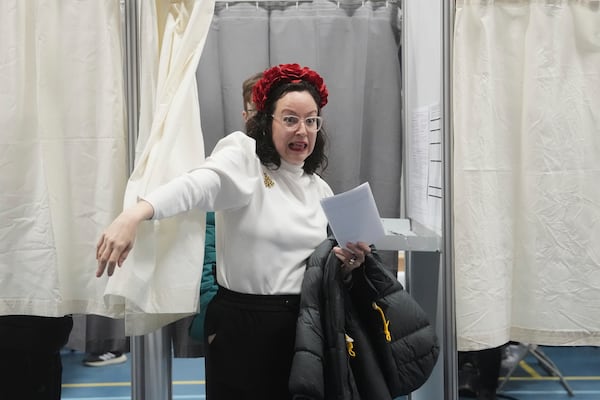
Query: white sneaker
x=108 y=358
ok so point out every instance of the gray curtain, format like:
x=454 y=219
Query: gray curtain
x=353 y=45
x=97 y=334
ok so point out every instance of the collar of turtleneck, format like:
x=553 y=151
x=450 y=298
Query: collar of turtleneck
x=295 y=169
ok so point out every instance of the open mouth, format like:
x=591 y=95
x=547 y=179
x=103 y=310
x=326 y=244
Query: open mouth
x=298 y=146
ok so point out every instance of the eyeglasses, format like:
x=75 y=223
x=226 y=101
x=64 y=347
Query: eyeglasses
x=292 y=122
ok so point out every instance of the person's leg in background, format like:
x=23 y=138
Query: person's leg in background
x=489 y=364
x=478 y=373
x=30 y=363
x=101 y=338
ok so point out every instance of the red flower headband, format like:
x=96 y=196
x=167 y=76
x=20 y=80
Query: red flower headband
x=281 y=73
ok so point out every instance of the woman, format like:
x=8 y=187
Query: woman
x=265 y=190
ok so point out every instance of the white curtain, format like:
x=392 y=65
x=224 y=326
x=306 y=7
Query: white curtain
x=160 y=282
x=64 y=165
x=62 y=152
x=526 y=172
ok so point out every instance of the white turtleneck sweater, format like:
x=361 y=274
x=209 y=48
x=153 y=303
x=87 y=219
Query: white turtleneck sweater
x=264 y=235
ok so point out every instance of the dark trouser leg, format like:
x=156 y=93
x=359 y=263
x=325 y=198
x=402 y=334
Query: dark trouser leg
x=479 y=371
x=30 y=365
x=251 y=354
x=489 y=362
x=32 y=376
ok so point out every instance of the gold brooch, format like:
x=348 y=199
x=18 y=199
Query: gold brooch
x=268 y=181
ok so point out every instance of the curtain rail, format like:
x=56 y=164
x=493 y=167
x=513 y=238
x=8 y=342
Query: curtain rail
x=267 y=3
x=300 y=1
x=264 y=1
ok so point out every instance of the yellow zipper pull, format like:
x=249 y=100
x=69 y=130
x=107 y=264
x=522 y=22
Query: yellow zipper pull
x=350 y=346
x=386 y=323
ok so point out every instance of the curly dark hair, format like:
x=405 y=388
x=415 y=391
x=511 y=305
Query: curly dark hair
x=259 y=128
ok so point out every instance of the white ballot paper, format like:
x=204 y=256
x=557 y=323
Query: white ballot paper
x=353 y=216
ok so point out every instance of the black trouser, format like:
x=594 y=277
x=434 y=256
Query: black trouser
x=30 y=364
x=251 y=354
x=484 y=368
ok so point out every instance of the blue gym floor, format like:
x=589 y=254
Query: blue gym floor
x=579 y=365
x=113 y=382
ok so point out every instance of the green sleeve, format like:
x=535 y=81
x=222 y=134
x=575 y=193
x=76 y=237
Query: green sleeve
x=208 y=284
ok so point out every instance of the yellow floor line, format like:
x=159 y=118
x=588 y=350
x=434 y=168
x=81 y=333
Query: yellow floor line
x=537 y=377
x=529 y=369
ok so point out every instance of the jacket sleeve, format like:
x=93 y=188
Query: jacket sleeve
x=208 y=283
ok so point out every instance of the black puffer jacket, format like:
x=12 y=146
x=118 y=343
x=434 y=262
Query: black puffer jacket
x=364 y=340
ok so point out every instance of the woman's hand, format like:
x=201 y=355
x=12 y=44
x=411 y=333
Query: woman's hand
x=117 y=240
x=353 y=255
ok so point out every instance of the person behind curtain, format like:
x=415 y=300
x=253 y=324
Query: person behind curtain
x=247 y=86
x=266 y=192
